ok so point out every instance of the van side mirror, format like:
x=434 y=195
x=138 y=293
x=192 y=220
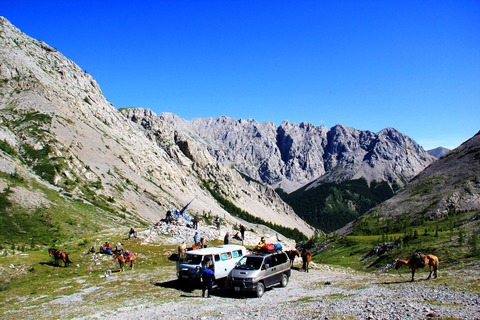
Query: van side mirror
x=267 y=266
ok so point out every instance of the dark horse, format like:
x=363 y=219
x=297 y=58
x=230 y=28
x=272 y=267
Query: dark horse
x=306 y=257
x=59 y=255
x=292 y=254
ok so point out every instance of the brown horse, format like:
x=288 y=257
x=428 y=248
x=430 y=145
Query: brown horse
x=306 y=257
x=292 y=254
x=430 y=260
x=59 y=254
x=122 y=259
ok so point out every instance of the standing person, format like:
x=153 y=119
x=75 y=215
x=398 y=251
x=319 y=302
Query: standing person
x=218 y=221
x=195 y=239
x=226 y=240
x=207 y=278
x=242 y=232
x=132 y=232
x=181 y=251
x=195 y=220
x=168 y=218
x=118 y=248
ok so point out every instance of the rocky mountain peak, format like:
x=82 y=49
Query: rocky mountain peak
x=294 y=154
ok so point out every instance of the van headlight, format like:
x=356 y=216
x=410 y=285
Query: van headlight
x=249 y=279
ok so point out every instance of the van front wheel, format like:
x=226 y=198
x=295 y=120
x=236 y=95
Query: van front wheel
x=260 y=289
x=284 y=280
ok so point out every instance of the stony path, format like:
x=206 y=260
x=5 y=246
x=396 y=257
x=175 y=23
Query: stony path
x=324 y=293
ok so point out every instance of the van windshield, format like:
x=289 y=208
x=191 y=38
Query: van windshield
x=193 y=259
x=249 y=263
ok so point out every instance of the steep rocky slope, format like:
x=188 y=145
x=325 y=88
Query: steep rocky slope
x=58 y=128
x=448 y=186
x=293 y=154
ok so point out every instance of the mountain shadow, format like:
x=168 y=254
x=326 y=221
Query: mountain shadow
x=330 y=206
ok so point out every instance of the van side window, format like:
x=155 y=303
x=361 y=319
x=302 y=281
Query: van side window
x=226 y=256
x=237 y=253
x=282 y=258
x=268 y=260
x=217 y=257
x=274 y=261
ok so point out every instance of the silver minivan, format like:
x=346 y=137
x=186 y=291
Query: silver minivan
x=258 y=271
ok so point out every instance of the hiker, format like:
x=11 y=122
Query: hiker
x=195 y=221
x=218 y=221
x=242 y=232
x=226 y=240
x=132 y=232
x=237 y=237
x=119 y=249
x=202 y=243
x=207 y=263
x=181 y=251
x=168 y=218
x=106 y=248
x=207 y=277
x=195 y=239
x=262 y=242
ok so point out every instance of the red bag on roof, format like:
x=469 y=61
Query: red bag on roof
x=269 y=247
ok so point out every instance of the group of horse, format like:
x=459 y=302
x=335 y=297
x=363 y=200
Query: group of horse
x=306 y=258
x=122 y=258
x=412 y=263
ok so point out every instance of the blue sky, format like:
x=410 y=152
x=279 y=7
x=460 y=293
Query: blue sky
x=410 y=65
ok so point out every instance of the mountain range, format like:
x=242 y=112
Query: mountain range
x=62 y=141
x=292 y=155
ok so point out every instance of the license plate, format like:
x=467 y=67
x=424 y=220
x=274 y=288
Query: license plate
x=185 y=277
x=237 y=288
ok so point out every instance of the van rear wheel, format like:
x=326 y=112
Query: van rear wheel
x=284 y=280
x=260 y=289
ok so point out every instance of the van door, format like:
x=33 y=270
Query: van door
x=268 y=270
x=223 y=267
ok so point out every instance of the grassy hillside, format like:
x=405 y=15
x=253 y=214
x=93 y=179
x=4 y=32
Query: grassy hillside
x=453 y=239
x=330 y=206
x=32 y=274
x=50 y=217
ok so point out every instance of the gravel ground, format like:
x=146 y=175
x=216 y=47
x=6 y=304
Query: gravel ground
x=323 y=293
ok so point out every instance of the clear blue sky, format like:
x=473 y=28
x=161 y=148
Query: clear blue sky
x=410 y=65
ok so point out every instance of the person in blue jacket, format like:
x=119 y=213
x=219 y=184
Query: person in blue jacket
x=207 y=278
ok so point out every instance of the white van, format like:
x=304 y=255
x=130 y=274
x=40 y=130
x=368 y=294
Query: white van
x=224 y=259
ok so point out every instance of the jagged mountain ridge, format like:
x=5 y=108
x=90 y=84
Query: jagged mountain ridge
x=294 y=154
x=66 y=134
